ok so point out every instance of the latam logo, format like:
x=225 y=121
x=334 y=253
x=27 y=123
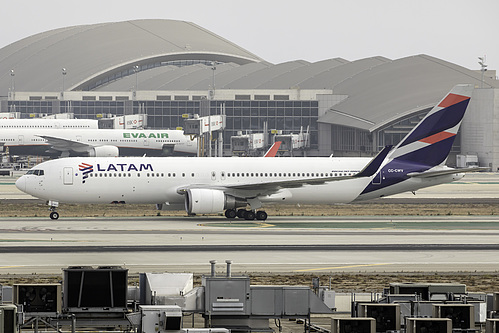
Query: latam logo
x=124 y=167
x=85 y=170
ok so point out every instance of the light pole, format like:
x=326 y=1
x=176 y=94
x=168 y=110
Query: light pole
x=12 y=84
x=483 y=69
x=64 y=72
x=213 y=68
x=136 y=69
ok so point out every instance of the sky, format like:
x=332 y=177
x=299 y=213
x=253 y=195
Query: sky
x=458 y=31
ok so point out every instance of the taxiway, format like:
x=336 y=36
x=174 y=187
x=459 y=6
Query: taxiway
x=281 y=244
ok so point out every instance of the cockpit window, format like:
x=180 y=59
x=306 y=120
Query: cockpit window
x=35 y=172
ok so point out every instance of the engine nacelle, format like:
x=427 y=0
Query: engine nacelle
x=104 y=151
x=206 y=201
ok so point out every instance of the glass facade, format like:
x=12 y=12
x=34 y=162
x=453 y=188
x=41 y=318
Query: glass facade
x=355 y=140
x=242 y=115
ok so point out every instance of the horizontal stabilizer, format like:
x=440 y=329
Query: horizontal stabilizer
x=428 y=174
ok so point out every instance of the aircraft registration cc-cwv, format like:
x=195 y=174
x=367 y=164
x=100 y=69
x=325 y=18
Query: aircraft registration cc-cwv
x=242 y=186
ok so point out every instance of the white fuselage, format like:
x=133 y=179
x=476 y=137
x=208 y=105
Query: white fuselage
x=71 y=124
x=158 y=180
x=29 y=141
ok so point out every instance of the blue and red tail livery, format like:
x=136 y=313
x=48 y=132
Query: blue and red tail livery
x=428 y=145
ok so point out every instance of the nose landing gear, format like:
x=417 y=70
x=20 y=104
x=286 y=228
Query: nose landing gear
x=54 y=215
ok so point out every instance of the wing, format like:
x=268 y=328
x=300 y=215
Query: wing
x=61 y=144
x=446 y=171
x=249 y=190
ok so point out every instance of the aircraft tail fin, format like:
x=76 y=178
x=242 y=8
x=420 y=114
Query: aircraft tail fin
x=370 y=169
x=430 y=142
x=273 y=149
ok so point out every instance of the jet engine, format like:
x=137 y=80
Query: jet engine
x=104 y=151
x=206 y=201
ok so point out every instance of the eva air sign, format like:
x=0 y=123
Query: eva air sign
x=142 y=135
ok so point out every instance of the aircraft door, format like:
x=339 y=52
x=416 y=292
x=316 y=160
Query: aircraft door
x=377 y=178
x=213 y=175
x=21 y=139
x=67 y=176
x=78 y=138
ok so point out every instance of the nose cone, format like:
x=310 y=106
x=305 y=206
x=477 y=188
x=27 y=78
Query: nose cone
x=21 y=183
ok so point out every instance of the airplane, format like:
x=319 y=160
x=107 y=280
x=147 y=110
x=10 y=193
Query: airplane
x=207 y=185
x=49 y=123
x=96 y=142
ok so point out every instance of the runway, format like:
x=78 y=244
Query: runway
x=280 y=245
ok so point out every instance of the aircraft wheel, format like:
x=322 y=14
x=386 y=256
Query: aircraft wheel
x=261 y=215
x=249 y=215
x=240 y=213
x=54 y=215
x=230 y=213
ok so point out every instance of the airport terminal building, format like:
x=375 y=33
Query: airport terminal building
x=167 y=69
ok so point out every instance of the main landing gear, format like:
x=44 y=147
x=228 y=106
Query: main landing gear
x=246 y=214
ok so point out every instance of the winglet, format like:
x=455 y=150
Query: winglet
x=273 y=150
x=375 y=163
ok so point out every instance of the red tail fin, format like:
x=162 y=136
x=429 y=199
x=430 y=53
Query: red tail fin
x=273 y=150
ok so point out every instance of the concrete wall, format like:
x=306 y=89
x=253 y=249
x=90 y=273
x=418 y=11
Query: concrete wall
x=480 y=128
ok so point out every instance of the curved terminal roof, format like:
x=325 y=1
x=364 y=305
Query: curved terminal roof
x=177 y=55
x=393 y=90
x=95 y=53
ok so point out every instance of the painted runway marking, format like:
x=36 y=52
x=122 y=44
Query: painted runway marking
x=339 y=267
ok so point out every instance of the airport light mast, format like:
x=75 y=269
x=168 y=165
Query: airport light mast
x=483 y=69
x=64 y=72
x=136 y=69
x=12 y=85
